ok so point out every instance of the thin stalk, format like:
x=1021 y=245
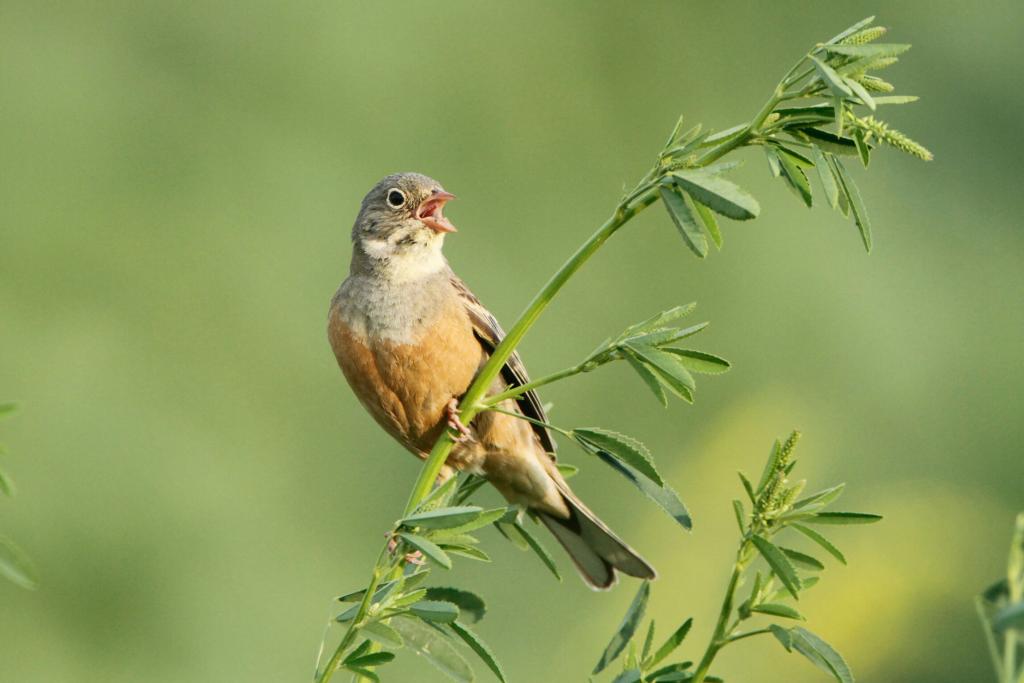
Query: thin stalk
x=719 y=638
x=350 y=633
x=748 y=634
x=520 y=416
x=514 y=392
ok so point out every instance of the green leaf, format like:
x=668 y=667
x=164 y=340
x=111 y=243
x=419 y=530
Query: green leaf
x=443 y=518
x=6 y=484
x=664 y=496
x=820 y=540
x=408 y=599
x=863 y=149
x=850 y=31
x=649 y=378
x=820 y=653
x=779 y=563
x=381 y=633
x=844 y=518
x=777 y=610
x=428 y=548
x=648 y=641
x=670 y=644
x=820 y=499
x=660 y=321
x=741 y=515
x=861 y=92
x=802 y=559
x=16 y=566
x=675 y=673
x=828 y=183
x=371 y=659
x=435 y=610
x=1011 y=616
x=480 y=648
x=860 y=212
x=540 y=550
x=481 y=520
x=470 y=604
x=774 y=165
x=665 y=337
x=795 y=178
x=830 y=142
x=830 y=78
x=896 y=99
x=619 y=446
x=466 y=551
x=747 y=487
x=707 y=217
x=628 y=676
x=718 y=194
x=439 y=496
x=435 y=646
x=670 y=370
x=511 y=533
x=626 y=629
x=566 y=470
x=365 y=673
x=684 y=220
x=699 y=361
x=7 y=408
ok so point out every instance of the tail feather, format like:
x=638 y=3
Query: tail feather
x=594 y=548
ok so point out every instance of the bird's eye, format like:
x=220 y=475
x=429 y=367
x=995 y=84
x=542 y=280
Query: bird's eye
x=396 y=198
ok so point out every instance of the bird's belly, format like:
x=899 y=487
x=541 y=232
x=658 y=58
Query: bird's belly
x=407 y=386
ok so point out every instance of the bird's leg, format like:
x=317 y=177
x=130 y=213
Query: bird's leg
x=454 y=421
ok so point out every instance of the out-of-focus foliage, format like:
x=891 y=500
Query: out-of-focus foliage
x=1001 y=608
x=179 y=184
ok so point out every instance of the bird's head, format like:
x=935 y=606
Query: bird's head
x=402 y=222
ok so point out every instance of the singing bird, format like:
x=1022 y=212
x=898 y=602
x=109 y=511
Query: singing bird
x=410 y=336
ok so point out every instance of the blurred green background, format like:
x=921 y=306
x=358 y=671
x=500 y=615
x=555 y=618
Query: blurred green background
x=196 y=481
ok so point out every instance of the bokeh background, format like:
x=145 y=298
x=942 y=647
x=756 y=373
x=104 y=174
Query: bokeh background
x=196 y=481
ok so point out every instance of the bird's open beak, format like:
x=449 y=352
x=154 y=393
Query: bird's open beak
x=431 y=212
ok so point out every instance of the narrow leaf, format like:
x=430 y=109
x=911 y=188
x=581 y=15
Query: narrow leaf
x=830 y=78
x=435 y=610
x=820 y=540
x=778 y=610
x=707 y=217
x=428 y=548
x=661 y=320
x=795 y=178
x=381 y=633
x=566 y=470
x=860 y=212
x=671 y=371
x=844 y=518
x=665 y=497
x=718 y=194
x=802 y=559
x=820 y=499
x=1011 y=616
x=16 y=566
x=443 y=518
x=684 y=220
x=670 y=644
x=648 y=641
x=626 y=629
x=872 y=50
x=737 y=508
x=699 y=361
x=481 y=520
x=863 y=149
x=471 y=605
x=621 y=447
x=408 y=599
x=830 y=142
x=861 y=92
x=540 y=550
x=466 y=551
x=6 y=484
x=371 y=659
x=435 y=646
x=649 y=378
x=628 y=676
x=774 y=165
x=480 y=648
x=779 y=563
x=850 y=31
x=820 y=653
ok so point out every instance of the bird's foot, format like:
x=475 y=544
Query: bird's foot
x=415 y=557
x=455 y=422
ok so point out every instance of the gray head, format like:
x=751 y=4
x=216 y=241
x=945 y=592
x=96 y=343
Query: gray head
x=401 y=224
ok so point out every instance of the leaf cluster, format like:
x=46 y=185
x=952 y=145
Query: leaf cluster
x=780 y=574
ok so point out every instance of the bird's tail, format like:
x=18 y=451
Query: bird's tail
x=594 y=548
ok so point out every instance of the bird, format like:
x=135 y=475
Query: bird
x=410 y=337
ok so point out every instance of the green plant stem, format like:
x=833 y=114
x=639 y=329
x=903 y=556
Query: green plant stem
x=514 y=392
x=748 y=634
x=721 y=637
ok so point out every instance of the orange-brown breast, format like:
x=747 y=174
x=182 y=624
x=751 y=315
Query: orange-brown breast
x=406 y=386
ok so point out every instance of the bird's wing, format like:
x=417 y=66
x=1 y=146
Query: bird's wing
x=490 y=334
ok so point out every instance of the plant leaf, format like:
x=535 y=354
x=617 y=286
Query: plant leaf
x=6 y=484
x=844 y=518
x=620 y=447
x=820 y=540
x=671 y=371
x=684 y=220
x=660 y=321
x=699 y=361
x=862 y=94
x=860 y=212
x=381 y=633
x=435 y=610
x=802 y=559
x=428 y=548
x=466 y=551
x=795 y=178
x=779 y=563
x=443 y=518
x=16 y=566
x=540 y=550
x=670 y=644
x=820 y=499
x=828 y=183
x=872 y=50
x=718 y=194
x=626 y=629
x=628 y=676
x=480 y=648
x=649 y=378
x=777 y=610
x=7 y=408
x=820 y=653
x=737 y=508
x=471 y=605
x=830 y=142
x=648 y=641
x=566 y=470
x=481 y=520
x=665 y=497
x=371 y=659
x=435 y=646
x=1011 y=616
x=830 y=78
x=850 y=31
